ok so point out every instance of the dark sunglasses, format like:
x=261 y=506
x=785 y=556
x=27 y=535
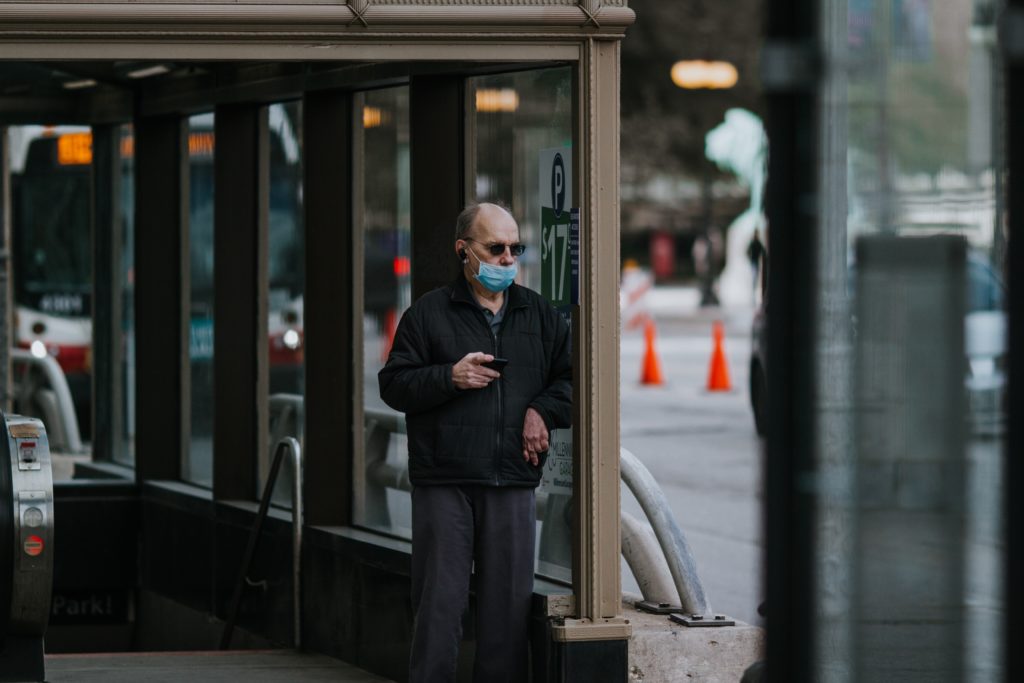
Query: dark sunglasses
x=497 y=249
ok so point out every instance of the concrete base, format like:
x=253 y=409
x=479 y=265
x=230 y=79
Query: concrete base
x=661 y=650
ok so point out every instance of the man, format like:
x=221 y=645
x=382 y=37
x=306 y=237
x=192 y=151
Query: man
x=478 y=437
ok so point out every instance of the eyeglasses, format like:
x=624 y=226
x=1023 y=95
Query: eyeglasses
x=497 y=249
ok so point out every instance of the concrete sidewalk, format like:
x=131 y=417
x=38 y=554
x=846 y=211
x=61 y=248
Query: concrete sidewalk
x=681 y=305
x=251 y=666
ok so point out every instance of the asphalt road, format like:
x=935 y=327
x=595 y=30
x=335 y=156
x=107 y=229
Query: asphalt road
x=702 y=449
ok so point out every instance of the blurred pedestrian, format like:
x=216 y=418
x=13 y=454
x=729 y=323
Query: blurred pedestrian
x=703 y=258
x=755 y=254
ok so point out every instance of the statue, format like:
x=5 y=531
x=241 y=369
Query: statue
x=739 y=145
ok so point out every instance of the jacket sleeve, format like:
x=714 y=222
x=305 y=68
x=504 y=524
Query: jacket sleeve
x=409 y=382
x=554 y=403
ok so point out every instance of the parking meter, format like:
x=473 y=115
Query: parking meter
x=26 y=546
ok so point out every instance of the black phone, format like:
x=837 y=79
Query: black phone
x=497 y=364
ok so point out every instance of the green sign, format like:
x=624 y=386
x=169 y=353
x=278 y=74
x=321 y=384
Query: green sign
x=556 y=269
x=556 y=277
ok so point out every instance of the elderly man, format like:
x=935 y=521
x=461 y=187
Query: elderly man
x=481 y=369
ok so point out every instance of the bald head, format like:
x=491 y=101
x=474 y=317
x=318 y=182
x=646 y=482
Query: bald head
x=484 y=212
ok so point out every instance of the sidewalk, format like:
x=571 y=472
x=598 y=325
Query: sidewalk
x=680 y=304
x=251 y=666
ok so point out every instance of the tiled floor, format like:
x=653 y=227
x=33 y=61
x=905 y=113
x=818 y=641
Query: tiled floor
x=248 y=666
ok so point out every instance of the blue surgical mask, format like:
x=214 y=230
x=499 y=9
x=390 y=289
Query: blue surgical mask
x=495 y=278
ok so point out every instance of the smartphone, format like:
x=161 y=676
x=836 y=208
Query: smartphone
x=497 y=364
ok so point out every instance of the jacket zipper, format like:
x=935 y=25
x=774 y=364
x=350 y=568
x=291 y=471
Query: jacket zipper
x=501 y=416
x=496 y=459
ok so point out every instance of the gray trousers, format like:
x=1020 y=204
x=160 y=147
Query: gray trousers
x=453 y=526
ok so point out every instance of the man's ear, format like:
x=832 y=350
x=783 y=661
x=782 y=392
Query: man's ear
x=462 y=254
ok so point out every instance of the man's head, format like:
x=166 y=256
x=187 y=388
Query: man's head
x=486 y=234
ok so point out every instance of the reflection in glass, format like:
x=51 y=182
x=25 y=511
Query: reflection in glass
x=286 y=274
x=51 y=173
x=911 y=151
x=126 y=454
x=198 y=467
x=520 y=122
x=515 y=117
x=383 y=220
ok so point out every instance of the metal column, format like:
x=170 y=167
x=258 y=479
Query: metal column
x=789 y=65
x=1013 y=38
x=241 y=373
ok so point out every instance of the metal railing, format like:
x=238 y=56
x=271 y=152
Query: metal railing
x=670 y=537
x=287 y=415
x=286 y=444
x=642 y=549
x=55 y=402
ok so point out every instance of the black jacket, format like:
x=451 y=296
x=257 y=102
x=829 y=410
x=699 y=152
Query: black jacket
x=474 y=436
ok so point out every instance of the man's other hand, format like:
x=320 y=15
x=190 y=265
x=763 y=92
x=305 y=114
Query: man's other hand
x=535 y=436
x=470 y=373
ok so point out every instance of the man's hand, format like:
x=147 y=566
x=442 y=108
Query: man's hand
x=469 y=373
x=535 y=436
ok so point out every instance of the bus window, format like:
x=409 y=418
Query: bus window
x=52 y=264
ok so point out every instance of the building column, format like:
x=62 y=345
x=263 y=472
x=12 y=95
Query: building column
x=161 y=296
x=240 y=372
x=436 y=134
x=107 y=295
x=330 y=315
x=596 y=540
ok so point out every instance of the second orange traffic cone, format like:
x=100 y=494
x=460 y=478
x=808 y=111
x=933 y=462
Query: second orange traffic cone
x=650 y=373
x=718 y=375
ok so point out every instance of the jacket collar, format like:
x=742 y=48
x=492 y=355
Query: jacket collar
x=460 y=291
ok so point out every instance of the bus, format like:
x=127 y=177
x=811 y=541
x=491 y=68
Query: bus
x=52 y=259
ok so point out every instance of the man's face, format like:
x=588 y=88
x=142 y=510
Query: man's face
x=492 y=229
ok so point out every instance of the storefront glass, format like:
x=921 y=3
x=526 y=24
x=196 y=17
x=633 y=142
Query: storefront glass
x=521 y=135
x=126 y=454
x=911 y=337
x=198 y=466
x=286 y=274
x=382 y=196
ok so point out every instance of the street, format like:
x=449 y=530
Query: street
x=700 y=446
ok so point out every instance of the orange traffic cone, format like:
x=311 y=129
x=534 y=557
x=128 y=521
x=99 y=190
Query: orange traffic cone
x=651 y=371
x=718 y=376
x=390 y=325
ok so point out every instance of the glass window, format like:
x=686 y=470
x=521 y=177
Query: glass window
x=198 y=466
x=381 y=152
x=286 y=274
x=517 y=124
x=126 y=454
x=51 y=173
x=521 y=137
x=910 y=544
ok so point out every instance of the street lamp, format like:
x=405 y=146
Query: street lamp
x=700 y=74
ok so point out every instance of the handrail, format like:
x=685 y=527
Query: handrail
x=387 y=419
x=54 y=375
x=670 y=537
x=642 y=553
x=286 y=408
x=673 y=543
x=291 y=444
